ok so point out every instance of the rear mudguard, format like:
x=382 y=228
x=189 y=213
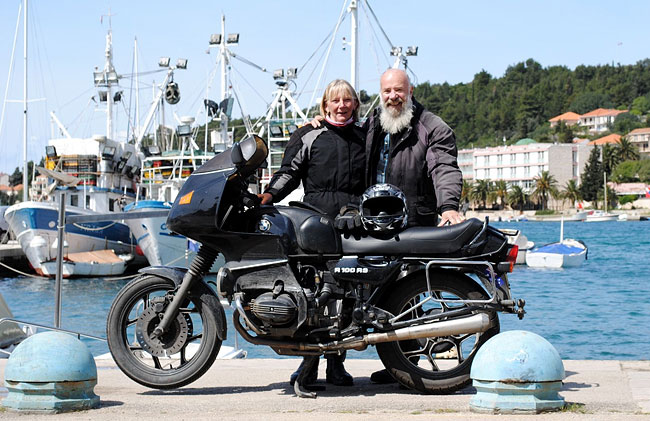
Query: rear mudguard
x=176 y=275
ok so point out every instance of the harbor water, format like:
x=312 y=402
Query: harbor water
x=600 y=310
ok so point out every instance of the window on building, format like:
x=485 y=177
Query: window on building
x=513 y=158
x=526 y=157
x=527 y=170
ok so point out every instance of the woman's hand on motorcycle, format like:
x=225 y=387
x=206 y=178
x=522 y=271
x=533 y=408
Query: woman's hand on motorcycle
x=451 y=217
x=265 y=198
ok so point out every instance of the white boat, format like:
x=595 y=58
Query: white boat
x=565 y=253
x=517 y=238
x=90 y=263
x=579 y=216
x=601 y=216
x=96 y=175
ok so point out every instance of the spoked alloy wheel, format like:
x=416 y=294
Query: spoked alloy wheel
x=178 y=357
x=433 y=365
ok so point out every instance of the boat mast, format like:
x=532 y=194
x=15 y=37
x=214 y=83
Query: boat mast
x=224 y=80
x=25 y=186
x=354 y=44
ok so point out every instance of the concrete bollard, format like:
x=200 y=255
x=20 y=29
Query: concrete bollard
x=51 y=372
x=517 y=372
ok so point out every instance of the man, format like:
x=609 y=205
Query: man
x=415 y=150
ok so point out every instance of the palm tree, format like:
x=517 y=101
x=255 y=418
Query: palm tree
x=481 y=191
x=610 y=158
x=627 y=151
x=545 y=186
x=500 y=191
x=466 y=192
x=517 y=196
x=571 y=192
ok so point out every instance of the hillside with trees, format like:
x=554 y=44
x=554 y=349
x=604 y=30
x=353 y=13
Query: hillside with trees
x=520 y=103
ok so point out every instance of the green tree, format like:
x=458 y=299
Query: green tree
x=610 y=157
x=564 y=133
x=626 y=122
x=466 y=191
x=571 y=192
x=517 y=197
x=627 y=150
x=592 y=176
x=545 y=187
x=500 y=192
x=481 y=191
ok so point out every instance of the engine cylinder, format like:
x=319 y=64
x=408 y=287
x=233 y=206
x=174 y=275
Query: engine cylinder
x=275 y=311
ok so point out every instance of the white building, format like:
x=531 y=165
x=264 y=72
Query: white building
x=520 y=164
x=599 y=120
x=641 y=139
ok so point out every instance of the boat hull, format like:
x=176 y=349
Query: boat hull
x=35 y=227
x=159 y=245
x=556 y=256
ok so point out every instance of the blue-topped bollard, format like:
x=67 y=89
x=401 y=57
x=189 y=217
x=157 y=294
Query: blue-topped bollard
x=51 y=372
x=517 y=372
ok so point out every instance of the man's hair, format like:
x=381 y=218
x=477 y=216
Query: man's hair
x=339 y=86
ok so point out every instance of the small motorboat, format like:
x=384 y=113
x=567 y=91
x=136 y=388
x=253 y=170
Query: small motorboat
x=600 y=216
x=565 y=253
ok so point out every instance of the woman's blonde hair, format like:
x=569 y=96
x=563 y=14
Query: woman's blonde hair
x=339 y=86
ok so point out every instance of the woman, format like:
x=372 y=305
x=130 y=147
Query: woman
x=330 y=163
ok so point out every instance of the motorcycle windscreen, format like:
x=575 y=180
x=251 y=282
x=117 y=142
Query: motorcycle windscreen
x=251 y=153
x=196 y=205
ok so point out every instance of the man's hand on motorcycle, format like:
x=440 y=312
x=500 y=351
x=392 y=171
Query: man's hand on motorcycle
x=348 y=219
x=315 y=122
x=266 y=198
x=451 y=217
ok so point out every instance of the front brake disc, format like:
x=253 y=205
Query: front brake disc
x=170 y=342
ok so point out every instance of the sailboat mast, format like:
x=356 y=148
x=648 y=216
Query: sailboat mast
x=25 y=186
x=354 y=44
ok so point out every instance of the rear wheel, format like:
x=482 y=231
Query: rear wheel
x=434 y=365
x=178 y=357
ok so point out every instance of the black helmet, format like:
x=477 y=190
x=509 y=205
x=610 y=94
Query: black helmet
x=383 y=208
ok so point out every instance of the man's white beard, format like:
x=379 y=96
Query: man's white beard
x=393 y=124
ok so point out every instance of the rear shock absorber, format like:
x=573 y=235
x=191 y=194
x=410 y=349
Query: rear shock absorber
x=201 y=263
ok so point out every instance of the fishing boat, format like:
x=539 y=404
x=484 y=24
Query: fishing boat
x=565 y=253
x=93 y=175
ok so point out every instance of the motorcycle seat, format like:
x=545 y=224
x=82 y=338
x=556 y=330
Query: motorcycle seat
x=414 y=241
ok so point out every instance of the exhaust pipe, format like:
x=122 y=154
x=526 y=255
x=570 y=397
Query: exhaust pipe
x=472 y=324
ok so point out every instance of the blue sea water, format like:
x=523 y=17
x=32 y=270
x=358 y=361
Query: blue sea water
x=600 y=310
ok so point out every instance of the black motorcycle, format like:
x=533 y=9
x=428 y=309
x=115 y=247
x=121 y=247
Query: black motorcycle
x=426 y=297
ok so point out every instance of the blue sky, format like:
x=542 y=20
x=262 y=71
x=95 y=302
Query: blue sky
x=455 y=40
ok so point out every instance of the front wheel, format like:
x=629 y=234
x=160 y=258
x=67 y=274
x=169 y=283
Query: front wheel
x=433 y=365
x=178 y=357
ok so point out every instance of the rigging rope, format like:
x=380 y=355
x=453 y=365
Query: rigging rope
x=329 y=49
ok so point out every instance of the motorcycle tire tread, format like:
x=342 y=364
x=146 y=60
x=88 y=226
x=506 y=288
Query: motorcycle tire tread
x=437 y=382
x=213 y=323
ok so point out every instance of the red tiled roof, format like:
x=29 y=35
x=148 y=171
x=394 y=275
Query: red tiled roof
x=568 y=116
x=642 y=130
x=600 y=112
x=612 y=138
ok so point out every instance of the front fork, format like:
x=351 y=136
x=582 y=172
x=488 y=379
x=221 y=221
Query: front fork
x=201 y=263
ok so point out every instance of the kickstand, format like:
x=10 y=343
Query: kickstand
x=307 y=368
